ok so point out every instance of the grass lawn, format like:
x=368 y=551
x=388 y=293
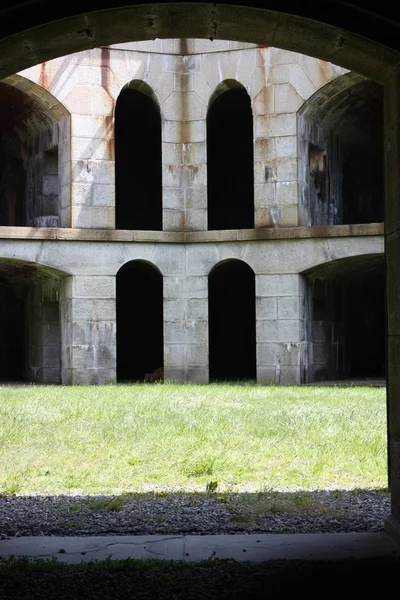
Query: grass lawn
x=138 y=438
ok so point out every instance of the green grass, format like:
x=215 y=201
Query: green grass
x=116 y=439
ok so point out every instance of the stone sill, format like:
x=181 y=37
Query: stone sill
x=174 y=237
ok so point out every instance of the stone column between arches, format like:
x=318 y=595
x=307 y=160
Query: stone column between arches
x=186 y=328
x=280 y=327
x=392 y=232
x=88 y=330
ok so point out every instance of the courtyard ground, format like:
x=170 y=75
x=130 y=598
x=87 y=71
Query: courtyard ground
x=191 y=438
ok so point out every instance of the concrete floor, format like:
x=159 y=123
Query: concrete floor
x=190 y=548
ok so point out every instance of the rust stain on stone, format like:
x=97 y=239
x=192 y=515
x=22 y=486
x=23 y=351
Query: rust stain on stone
x=43 y=76
x=105 y=68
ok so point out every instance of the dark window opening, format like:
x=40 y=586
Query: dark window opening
x=140 y=340
x=138 y=176
x=12 y=193
x=230 y=170
x=47 y=197
x=232 y=322
x=347 y=326
x=363 y=188
x=13 y=359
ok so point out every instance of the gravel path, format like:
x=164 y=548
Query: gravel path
x=172 y=513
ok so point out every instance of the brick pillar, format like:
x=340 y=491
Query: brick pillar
x=392 y=232
x=281 y=342
x=88 y=330
x=186 y=329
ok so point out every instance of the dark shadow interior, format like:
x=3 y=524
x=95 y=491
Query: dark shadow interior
x=140 y=339
x=232 y=322
x=13 y=342
x=341 y=129
x=347 y=323
x=230 y=161
x=138 y=177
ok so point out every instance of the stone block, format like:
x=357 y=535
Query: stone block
x=289 y=307
x=174 y=355
x=321 y=353
x=175 y=374
x=196 y=197
x=194 y=131
x=196 y=331
x=286 y=169
x=93 y=332
x=195 y=108
x=89 y=75
x=79 y=101
x=172 y=109
x=265 y=194
x=289 y=376
x=50 y=376
x=264 y=149
x=93 y=357
x=86 y=148
x=175 y=309
x=183 y=82
x=301 y=82
x=266 y=216
x=92 y=127
x=264 y=102
x=88 y=376
x=194 y=153
x=286 y=146
x=92 y=217
x=286 y=192
x=197 y=355
x=267 y=375
x=289 y=331
x=100 y=286
x=172 y=176
x=278 y=74
x=170 y=259
x=197 y=309
x=200 y=263
x=289 y=216
x=286 y=99
x=175 y=332
x=266 y=308
x=171 y=153
x=279 y=56
x=171 y=131
x=195 y=219
x=275 y=125
x=197 y=375
x=189 y=287
x=173 y=199
x=103 y=194
x=91 y=170
x=201 y=87
x=164 y=87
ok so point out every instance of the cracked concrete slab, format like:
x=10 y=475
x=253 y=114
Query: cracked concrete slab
x=190 y=548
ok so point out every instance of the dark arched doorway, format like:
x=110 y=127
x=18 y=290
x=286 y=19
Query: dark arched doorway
x=346 y=319
x=139 y=320
x=138 y=178
x=230 y=169
x=232 y=322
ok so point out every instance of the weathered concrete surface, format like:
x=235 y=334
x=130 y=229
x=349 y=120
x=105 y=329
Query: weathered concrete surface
x=191 y=548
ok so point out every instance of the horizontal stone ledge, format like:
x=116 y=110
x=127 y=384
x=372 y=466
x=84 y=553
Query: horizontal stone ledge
x=173 y=237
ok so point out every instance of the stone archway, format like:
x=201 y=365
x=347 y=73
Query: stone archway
x=346 y=34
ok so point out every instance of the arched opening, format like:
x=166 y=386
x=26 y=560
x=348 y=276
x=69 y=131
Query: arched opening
x=138 y=177
x=346 y=319
x=34 y=156
x=30 y=341
x=140 y=339
x=230 y=168
x=232 y=322
x=341 y=153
